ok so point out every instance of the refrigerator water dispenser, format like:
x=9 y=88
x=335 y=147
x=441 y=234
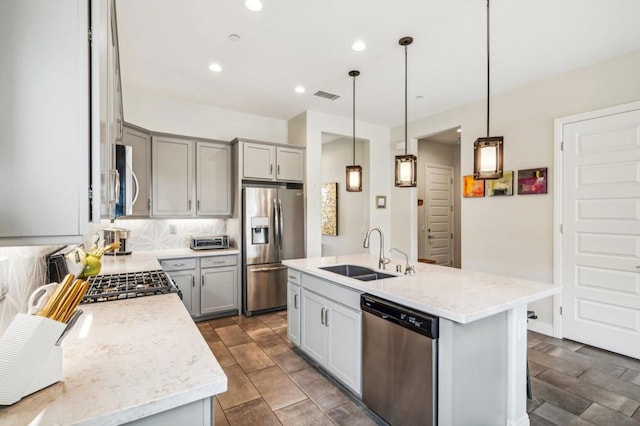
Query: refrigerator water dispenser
x=259 y=230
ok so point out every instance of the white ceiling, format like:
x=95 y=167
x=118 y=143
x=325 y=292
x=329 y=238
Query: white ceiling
x=167 y=45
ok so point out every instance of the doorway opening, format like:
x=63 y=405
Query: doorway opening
x=439 y=198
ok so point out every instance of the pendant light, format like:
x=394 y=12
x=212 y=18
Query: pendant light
x=354 y=172
x=487 y=152
x=406 y=164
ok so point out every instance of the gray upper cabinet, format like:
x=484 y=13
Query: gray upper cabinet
x=44 y=125
x=213 y=179
x=264 y=161
x=182 y=190
x=140 y=142
x=172 y=177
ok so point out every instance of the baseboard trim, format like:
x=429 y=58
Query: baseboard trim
x=540 y=327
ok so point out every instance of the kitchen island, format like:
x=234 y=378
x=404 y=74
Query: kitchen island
x=138 y=360
x=481 y=367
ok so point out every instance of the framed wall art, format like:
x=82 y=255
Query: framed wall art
x=329 y=217
x=501 y=186
x=532 y=181
x=472 y=187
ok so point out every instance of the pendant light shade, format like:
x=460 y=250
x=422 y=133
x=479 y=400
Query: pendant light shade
x=406 y=164
x=354 y=172
x=488 y=151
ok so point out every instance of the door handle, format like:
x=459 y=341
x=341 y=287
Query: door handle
x=278 y=170
x=189 y=205
x=273 y=268
x=295 y=301
x=321 y=315
x=198 y=205
x=281 y=224
x=270 y=169
x=193 y=281
x=326 y=317
x=202 y=281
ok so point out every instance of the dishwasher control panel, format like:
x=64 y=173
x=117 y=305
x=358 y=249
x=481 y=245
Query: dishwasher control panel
x=419 y=322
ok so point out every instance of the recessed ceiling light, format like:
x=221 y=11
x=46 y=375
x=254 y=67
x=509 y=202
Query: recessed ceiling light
x=358 y=46
x=215 y=67
x=234 y=37
x=299 y=89
x=253 y=5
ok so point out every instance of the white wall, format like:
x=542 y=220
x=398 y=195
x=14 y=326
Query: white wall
x=161 y=114
x=514 y=235
x=445 y=155
x=380 y=181
x=353 y=207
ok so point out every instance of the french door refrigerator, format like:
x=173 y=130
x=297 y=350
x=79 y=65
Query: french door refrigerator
x=273 y=230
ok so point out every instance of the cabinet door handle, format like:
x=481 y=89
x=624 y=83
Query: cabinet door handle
x=326 y=317
x=193 y=281
x=198 y=204
x=278 y=169
x=149 y=204
x=202 y=281
x=321 y=315
x=270 y=169
x=295 y=301
x=189 y=205
x=177 y=265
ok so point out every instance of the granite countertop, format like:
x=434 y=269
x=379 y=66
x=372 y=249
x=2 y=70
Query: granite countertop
x=455 y=294
x=149 y=260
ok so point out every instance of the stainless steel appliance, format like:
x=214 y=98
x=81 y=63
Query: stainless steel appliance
x=128 y=182
x=208 y=242
x=104 y=288
x=399 y=362
x=273 y=230
x=115 y=235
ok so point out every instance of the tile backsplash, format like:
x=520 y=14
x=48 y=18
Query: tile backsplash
x=165 y=234
x=25 y=270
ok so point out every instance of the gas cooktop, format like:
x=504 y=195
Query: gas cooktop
x=103 y=288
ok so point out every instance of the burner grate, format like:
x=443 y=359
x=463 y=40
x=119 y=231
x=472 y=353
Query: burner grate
x=103 y=288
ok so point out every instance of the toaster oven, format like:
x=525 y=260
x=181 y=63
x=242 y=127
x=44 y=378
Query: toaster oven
x=208 y=242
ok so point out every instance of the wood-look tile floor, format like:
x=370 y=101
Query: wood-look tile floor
x=270 y=384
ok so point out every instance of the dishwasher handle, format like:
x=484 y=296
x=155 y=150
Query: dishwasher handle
x=420 y=322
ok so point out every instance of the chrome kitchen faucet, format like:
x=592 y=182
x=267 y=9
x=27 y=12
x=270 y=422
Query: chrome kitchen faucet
x=382 y=261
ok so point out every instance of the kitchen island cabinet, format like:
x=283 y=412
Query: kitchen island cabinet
x=482 y=332
x=137 y=360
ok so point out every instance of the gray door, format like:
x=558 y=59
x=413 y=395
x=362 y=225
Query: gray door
x=259 y=225
x=291 y=217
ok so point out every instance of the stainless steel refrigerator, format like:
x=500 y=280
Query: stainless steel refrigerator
x=273 y=230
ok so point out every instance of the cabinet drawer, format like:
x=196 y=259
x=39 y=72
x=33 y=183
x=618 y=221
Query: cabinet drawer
x=178 y=264
x=293 y=276
x=217 y=261
x=332 y=291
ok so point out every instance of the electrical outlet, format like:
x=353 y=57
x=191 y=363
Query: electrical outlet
x=173 y=229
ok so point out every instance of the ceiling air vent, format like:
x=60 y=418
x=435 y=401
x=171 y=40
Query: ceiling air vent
x=326 y=95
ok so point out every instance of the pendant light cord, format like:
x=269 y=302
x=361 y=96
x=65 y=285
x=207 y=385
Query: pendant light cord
x=406 y=142
x=354 y=120
x=488 y=69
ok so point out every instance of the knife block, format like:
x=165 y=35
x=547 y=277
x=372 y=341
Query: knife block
x=29 y=357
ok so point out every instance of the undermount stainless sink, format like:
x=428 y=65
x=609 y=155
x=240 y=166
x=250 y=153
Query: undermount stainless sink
x=357 y=272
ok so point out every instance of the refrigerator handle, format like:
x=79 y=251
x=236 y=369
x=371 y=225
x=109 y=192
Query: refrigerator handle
x=276 y=223
x=281 y=222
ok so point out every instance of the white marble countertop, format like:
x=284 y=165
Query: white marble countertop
x=455 y=294
x=148 y=260
x=125 y=360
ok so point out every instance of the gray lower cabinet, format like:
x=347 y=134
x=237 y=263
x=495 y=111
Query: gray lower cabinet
x=294 y=305
x=209 y=285
x=330 y=327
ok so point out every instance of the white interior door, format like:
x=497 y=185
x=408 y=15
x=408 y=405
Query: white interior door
x=439 y=211
x=601 y=231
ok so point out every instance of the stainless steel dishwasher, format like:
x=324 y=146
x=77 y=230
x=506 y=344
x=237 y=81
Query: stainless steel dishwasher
x=399 y=362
